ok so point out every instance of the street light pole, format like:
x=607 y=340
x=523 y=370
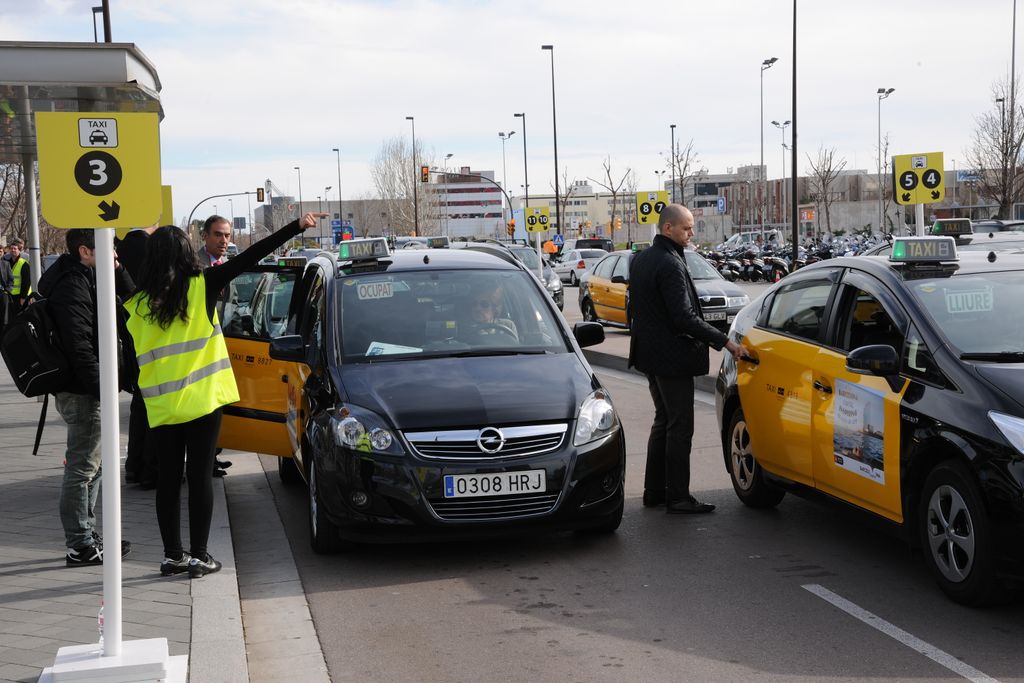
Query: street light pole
x=504 y=169
x=326 y=190
x=446 y=158
x=526 y=168
x=672 y=162
x=782 y=127
x=300 y=190
x=882 y=94
x=415 y=182
x=341 y=214
x=554 y=130
x=765 y=65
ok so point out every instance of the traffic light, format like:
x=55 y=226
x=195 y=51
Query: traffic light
x=424 y=174
x=618 y=223
x=259 y=194
x=511 y=226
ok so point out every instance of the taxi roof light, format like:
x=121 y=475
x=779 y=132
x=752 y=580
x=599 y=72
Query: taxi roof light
x=924 y=250
x=952 y=227
x=366 y=249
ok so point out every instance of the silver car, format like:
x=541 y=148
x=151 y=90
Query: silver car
x=574 y=263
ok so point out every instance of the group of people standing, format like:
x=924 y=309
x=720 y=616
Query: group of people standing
x=171 y=356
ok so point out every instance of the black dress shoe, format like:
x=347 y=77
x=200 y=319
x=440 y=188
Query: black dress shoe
x=690 y=506
x=218 y=472
x=653 y=499
x=222 y=464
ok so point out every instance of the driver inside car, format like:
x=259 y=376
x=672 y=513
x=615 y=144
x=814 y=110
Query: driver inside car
x=485 y=315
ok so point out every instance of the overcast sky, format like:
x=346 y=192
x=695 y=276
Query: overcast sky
x=253 y=88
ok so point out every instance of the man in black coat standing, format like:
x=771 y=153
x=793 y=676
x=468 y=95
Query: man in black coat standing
x=669 y=343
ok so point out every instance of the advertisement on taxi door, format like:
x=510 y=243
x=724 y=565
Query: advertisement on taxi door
x=859 y=431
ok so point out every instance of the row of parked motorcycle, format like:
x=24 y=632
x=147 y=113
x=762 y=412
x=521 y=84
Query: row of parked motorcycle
x=771 y=262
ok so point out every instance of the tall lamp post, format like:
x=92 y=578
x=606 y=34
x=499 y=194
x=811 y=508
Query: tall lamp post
x=299 y=170
x=782 y=127
x=526 y=174
x=672 y=162
x=326 y=190
x=504 y=170
x=765 y=65
x=415 y=182
x=341 y=214
x=882 y=94
x=554 y=131
x=657 y=178
x=446 y=158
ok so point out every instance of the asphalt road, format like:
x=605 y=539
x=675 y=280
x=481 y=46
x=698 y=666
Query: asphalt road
x=737 y=595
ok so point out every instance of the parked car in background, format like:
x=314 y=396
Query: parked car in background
x=587 y=243
x=575 y=263
x=996 y=225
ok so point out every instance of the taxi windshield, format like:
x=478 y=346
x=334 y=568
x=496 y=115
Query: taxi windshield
x=977 y=312
x=699 y=267
x=528 y=257
x=431 y=313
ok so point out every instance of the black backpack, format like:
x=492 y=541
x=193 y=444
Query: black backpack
x=32 y=351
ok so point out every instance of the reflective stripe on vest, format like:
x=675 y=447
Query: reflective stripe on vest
x=16 y=280
x=184 y=370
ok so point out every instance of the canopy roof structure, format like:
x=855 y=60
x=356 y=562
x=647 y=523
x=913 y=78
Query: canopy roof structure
x=69 y=77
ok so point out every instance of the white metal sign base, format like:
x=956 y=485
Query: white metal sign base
x=140 y=660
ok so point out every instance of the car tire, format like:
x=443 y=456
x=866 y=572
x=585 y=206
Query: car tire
x=573 y=282
x=747 y=477
x=288 y=471
x=323 y=534
x=956 y=536
x=587 y=311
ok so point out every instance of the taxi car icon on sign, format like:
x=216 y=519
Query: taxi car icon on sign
x=98 y=137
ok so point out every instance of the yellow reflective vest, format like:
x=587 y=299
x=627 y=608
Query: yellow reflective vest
x=16 y=280
x=184 y=370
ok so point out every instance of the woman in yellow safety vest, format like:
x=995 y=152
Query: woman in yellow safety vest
x=185 y=378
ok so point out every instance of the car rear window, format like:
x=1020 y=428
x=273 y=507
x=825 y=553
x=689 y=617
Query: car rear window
x=593 y=253
x=606 y=245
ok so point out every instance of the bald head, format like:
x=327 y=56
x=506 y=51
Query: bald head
x=676 y=223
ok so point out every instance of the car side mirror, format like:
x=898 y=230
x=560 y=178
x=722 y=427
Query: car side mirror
x=289 y=347
x=878 y=360
x=619 y=280
x=588 y=334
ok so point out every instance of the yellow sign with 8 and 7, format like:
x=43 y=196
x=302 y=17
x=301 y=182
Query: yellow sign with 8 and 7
x=649 y=206
x=538 y=218
x=918 y=178
x=99 y=169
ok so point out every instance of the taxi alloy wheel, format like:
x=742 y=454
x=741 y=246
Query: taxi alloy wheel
x=956 y=535
x=572 y=279
x=747 y=478
x=587 y=310
x=323 y=535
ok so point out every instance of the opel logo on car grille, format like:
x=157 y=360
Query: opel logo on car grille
x=490 y=440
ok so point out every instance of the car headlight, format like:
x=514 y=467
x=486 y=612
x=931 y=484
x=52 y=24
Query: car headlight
x=596 y=418
x=364 y=430
x=734 y=301
x=553 y=282
x=1011 y=427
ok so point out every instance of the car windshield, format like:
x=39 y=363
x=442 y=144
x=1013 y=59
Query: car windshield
x=699 y=267
x=528 y=257
x=963 y=306
x=593 y=253
x=431 y=313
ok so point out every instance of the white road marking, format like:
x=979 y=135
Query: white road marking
x=633 y=378
x=874 y=621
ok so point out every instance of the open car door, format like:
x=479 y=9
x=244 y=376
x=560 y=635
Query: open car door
x=259 y=305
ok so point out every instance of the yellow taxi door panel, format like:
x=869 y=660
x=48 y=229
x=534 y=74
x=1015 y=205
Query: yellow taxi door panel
x=617 y=292
x=776 y=399
x=254 y=309
x=857 y=437
x=600 y=284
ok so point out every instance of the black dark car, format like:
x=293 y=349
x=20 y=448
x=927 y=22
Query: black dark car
x=425 y=394
x=895 y=386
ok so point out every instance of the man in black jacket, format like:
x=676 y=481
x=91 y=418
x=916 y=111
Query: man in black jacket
x=669 y=343
x=70 y=288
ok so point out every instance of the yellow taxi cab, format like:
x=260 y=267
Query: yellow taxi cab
x=895 y=385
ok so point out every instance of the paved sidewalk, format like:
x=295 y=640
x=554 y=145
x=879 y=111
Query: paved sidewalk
x=45 y=605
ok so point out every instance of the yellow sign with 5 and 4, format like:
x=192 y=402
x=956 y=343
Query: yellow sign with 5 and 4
x=99 y=169
x=918 y=178
x=538 y=218
x=649 y=206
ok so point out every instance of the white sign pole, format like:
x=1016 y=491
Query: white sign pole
x=540 y=259
x=110 y=442
x=919 y=219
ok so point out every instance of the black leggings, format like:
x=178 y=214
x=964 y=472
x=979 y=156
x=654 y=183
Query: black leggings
x=199 y=438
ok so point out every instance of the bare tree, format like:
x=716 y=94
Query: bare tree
x=629 y=209
x=687 y=166
x=395 y=180
x=824 y=171
x=571 y=190
x=612 y=186
x=886 y=188
x=14 y=214
x=996 y=151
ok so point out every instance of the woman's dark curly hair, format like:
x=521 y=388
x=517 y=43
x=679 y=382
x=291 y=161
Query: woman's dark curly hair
x=167 y=270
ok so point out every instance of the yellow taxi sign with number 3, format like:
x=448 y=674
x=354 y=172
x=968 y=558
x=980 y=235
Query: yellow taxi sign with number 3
x=99 y=169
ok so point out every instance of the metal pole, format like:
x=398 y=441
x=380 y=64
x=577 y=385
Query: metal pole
x=881 y=218
x=1013 y=112
x=300 y=191
x=762 y=188
x=107 y=38
x=526 y=168
x=672 y=162
x=554 y=130
x=446 y=158
x=415 y=182
x=341 y=214
x=793 y=163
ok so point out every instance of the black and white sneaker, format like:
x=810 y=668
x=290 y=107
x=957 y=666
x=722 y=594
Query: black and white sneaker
x=198 y=567
x=126 y=546
x=84 y=556
x=171 y=566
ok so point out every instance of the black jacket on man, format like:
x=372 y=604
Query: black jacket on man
x=668 y=335
x=70 y=290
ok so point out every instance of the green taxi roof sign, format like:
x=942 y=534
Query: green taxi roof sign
x=923 y=249
x=951 y=227
x=366 y=249
x=639 y=246
x=441 y=242
x=291 y=261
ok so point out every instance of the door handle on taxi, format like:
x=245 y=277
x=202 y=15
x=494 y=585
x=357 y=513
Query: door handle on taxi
x=822 y=387
x=284 y=378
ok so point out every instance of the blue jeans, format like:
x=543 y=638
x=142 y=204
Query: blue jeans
x=82 y=471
